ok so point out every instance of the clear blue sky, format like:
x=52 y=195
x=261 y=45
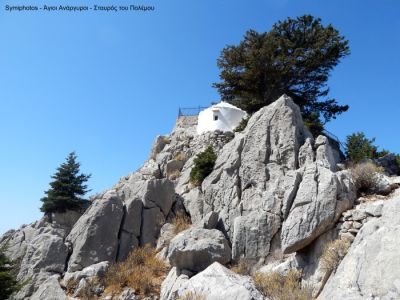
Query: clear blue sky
x=105 y=85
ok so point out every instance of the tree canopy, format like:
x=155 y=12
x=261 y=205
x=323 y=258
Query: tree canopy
x=67 y=188
x=295 y=58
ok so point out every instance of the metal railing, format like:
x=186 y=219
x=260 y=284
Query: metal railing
x=334 y=138
x=190 y=111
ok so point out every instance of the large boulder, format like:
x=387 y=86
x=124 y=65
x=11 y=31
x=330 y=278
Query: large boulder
x=217 y=282
x=371 y=268
x=159 y=193
x=196 y=248
x=96 y=270
x=389 y=164
x=94 y=237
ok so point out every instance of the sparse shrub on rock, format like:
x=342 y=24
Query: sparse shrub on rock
x=180 y=223
x=333 y=254
x=243 y=267
x=277 y=286
x=192 y=296
x=365 y=177
x=142 y=271
x=203 y=166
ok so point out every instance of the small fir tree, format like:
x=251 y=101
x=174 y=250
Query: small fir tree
x=67 y=189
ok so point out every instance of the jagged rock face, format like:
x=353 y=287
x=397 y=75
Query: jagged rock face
x=94 y=237
x=274 y=176
x=371 y=268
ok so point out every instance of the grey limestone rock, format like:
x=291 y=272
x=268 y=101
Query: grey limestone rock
x=253 y=234
x=159 y=193
x=172 y=283
x=159 y=144
x=94 y=237
x=96 y=270
x=209 y=221
x=371 y=268
x=320 y=200
x=217 y=282
x=45 y=253
x=152 y=221
x=50 y=290
x=195 y=249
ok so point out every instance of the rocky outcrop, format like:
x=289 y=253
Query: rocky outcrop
x=195 y=249
x=371 y=268
x=273 y=179
x=275 y=196
x=217 y=282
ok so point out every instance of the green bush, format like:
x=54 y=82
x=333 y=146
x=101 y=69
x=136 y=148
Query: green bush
x=242 y=125
x=365 y=177
x=203 y=166
x=358 y=147
x=8 y=282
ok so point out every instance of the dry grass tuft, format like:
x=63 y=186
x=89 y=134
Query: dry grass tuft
x=191 y=296
x=88 y=291
x=174 y=175
x=180 y=223
x=282 y=287
x=180 y=156
x=242 y=268
x=364 y=176
x=142 y=271
x=333 y=253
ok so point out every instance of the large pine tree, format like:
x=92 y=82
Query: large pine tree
x=295 y=58
x=67 y=189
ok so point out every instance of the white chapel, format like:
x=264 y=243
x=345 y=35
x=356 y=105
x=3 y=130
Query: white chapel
x=222 y=116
